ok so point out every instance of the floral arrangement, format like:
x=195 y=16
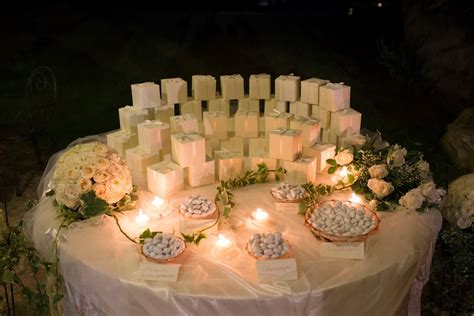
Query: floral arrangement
x=387 y=175
x=458 y=206
x=91 y=179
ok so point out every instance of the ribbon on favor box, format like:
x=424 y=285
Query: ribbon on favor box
x=164 y=169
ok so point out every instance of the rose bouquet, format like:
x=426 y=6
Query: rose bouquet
x=91 y=179
x=458 y=206
x=387 y=175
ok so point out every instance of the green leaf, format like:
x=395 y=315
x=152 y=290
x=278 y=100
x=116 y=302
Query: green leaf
x=8 y=276
x=350 y=178
x=93 y=205
x=188 y=238
x=146 y=234
x=331 y=162
x=302 y=208
x=199 y=238
x=50 y=193
x=332 y=169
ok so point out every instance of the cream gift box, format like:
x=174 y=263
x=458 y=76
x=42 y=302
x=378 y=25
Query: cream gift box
x=271 y=163
x=211 y=146
x=122 y=140
x=287 y=88
x=258 y=147
x=232 y=87
x=310 y=90
x=130 y=116
x=203 y=87
x=285 y=144
x=164 y=113
x=192 y=107
x=165 y=178
x=146 y=95
x=231 y=125
x=219 y=105
x=138 y=159
x=215 y=124
x=301 y=170
x=300 y=109
x=153 y=136
x=328 y=136
x=321 y=152
x=309 y=128
x=270 y=105
x=259 y=86
x=188 y=149
x=334 y=97
x=201 y=174
x=185 y=123
x=276 y=120
x=324 y=118
x=249 y=105
x=174 y=90
x=246 y=124
x=315 y=111
x=346 y=122
x=235 y=144
x=282 y=106
x=229 y=164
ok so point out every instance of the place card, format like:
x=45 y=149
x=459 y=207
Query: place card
x=290 y=208
x=277 y=270
x=158 y=272
x=344 y=250
x=190 y=226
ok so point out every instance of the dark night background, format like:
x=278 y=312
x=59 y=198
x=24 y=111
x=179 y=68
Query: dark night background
x=409 y=63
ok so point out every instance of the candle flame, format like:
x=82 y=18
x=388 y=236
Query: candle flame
x=344 y=171
x=157 y=201
x=355 y=198
x=260 y=215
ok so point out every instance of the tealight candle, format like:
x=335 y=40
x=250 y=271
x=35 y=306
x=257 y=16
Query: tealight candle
x=142 y=219
x=355 y=198
x=223 y=247
x=343 y=173
x=260 y=215
x=157 y=202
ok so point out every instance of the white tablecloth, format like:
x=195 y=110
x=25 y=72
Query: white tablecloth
x=99 y=266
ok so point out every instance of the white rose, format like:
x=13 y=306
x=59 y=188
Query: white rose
x=435 y=196
x=378 y=171
x=72 y=174
x=100 y=190
x=467 y=208
x=413 y=199
x=101 y=163
x=464 y=222
x=87 y=171
x=427 y=188
x=373 y=204
x=380 y=188
x=344 y=157
x=85 y=185
x=60 y=188
x=72 y=191
x=397 y=156
x=101 y=150
x=101 y=176
x=424 y=169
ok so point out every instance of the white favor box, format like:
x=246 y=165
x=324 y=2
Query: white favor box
x=203 y=87
x=301 y=170
x=249 y=105
x=174 y=90
x=259 y=87
x=146 y=95
x=122 y=140
x=231 y=124
x=282 y=106
x=324 y=118
x=270 y=105
x=232 y=87
x=188 y=149
x=309 y=128
x=130 y=116
x=287 y=88
x=185 y=123
x=229 y=164
x=258 y=147
x=285 y=144
x=165 y=178
x=261 y=125
x=164 y=113
x=276 y=120
x=272 y=164
x=215 y=124
x=321 y=152
x=219 y=105
x=315 y=111
x=346 y=122
x=211 y=146
x=201 y=174
x=138 y=159
x=153 y=136
x=246 y=124
x=300 y=109
x=192 y=107
x=334 y=97
x=310 y=90
x=140 y=180
x=235 y=144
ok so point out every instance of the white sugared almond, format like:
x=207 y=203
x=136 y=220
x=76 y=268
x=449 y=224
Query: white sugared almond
x=267 y=246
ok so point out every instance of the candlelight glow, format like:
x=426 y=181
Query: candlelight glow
x=142 y=219
x=260 y=215
x=223 y=242
x=355 y=198
x=343 y=172
x=157 y=202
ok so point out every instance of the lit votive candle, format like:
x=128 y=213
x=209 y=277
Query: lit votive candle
x=355 y=198
x=142 y=219
x=260 y=216
x=223 y=246
x=157 y=202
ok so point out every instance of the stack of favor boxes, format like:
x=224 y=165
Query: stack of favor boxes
x=175 y=141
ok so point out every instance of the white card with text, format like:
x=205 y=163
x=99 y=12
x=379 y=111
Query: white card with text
x=290 y=208
x=158 y=272
x=277 y=270
x=344 y=250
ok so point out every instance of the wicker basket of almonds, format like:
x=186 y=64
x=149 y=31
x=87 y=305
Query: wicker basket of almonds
x=287 y=193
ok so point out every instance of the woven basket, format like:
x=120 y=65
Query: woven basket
x=320 y=234
x=164 y=260
x=286 y=255
x=207 y=215
x=285 y=201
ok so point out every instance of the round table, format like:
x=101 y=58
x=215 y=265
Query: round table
x=100 y=266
